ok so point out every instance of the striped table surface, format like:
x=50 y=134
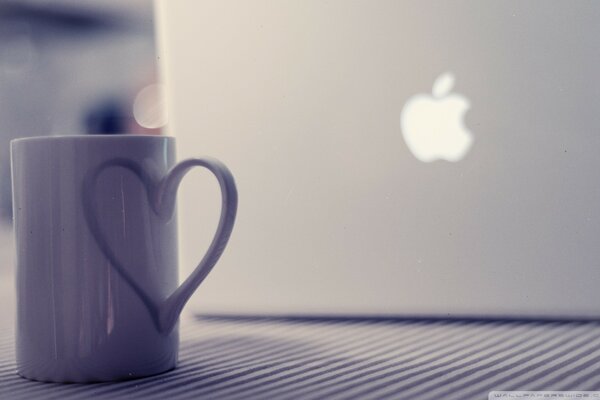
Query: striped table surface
x=271 y=358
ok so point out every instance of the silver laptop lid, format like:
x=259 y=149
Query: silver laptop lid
x=392 y=157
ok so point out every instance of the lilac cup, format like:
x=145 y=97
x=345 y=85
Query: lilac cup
x=96 y=236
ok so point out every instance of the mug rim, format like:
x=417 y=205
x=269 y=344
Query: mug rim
x=128 y=136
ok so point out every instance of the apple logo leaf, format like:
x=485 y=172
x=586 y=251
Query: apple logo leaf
x=443 y=85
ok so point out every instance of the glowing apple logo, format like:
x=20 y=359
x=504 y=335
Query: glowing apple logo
x=433 y=127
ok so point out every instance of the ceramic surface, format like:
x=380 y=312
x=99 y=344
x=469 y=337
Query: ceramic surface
x=96 y=238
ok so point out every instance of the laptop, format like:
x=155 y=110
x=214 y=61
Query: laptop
x=392 y=157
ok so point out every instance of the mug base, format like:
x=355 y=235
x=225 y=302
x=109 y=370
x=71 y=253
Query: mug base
x=89 y=379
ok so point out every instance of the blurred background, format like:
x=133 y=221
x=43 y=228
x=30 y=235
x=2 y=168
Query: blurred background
x=72 y=67
x=302 y=100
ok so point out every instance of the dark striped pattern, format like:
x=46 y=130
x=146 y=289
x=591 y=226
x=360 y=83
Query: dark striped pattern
x=256 y=358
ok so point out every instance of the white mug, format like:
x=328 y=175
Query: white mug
x=96 y=237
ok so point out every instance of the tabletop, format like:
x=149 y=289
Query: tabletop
x=260 y=357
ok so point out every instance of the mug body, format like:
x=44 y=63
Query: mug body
x=78 y=320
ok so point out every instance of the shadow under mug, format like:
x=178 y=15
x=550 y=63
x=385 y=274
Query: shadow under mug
x=96 y=237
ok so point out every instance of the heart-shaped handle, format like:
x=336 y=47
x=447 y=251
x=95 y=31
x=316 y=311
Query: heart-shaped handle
x=162 y=195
